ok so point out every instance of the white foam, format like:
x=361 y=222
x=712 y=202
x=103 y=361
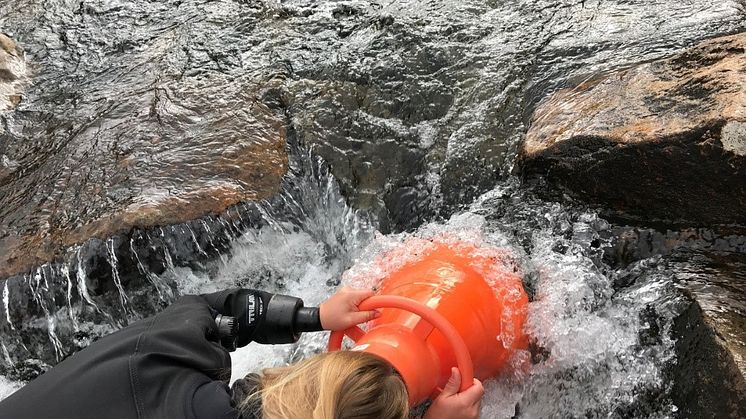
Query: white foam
x=8 y=387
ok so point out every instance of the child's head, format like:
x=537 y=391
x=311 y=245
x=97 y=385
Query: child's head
x=336 y=385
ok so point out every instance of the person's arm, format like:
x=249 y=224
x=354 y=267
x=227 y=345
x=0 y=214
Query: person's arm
x=275 y=318
x=263 y=315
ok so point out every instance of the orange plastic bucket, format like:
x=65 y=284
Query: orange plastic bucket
x=439 y=312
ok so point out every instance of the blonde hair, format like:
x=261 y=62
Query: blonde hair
x=336 y=385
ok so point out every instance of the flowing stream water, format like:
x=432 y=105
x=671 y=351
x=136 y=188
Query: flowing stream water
x=443 y=89
x=598 y=350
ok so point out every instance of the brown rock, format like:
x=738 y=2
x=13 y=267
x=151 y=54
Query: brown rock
x=661 y=141
x=160 y=157
x=12 y=73
x=7 y=44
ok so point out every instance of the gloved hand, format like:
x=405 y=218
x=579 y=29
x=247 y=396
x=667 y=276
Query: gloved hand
x=264 y=317
x=275 y=318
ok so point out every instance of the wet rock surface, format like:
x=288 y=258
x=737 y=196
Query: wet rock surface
x=150 y=113
x=705 y=362
x=146 y=113
x=717 y=282
x=13 y=75
x=659 y=141
x=710 y=331
x=139 y=132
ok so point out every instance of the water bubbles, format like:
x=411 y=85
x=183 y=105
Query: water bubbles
x=593 y=363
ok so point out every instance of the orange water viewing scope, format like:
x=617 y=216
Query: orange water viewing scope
x=456 y=305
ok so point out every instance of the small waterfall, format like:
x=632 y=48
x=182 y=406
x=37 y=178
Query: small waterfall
x=73 y=318
x=6 y=306
x=165 y=293
x=112 y=259
x=101 y=286
x=41 y=294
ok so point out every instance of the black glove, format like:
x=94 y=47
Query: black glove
x=263 y=317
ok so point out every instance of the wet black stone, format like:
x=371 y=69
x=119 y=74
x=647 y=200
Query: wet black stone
x=706 y=382
x=27 y=370
x=650 y=333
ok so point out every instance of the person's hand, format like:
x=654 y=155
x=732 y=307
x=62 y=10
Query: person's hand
x=340 y=311
x=451 y=404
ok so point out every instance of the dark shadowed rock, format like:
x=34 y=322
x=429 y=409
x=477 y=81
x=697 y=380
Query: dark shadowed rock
x=660 y=141
x=707 y=382
x=717 y=281
x=710 y=266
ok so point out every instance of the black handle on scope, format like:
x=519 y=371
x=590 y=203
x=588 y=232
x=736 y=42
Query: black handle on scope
x=284 y=320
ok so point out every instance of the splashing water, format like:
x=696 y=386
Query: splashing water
x=302 y=250
x=589 y=357
x=7 y=387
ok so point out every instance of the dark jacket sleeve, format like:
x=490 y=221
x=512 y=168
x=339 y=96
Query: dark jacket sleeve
x=215 y=401
x=170 y=365
x=150 y=369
